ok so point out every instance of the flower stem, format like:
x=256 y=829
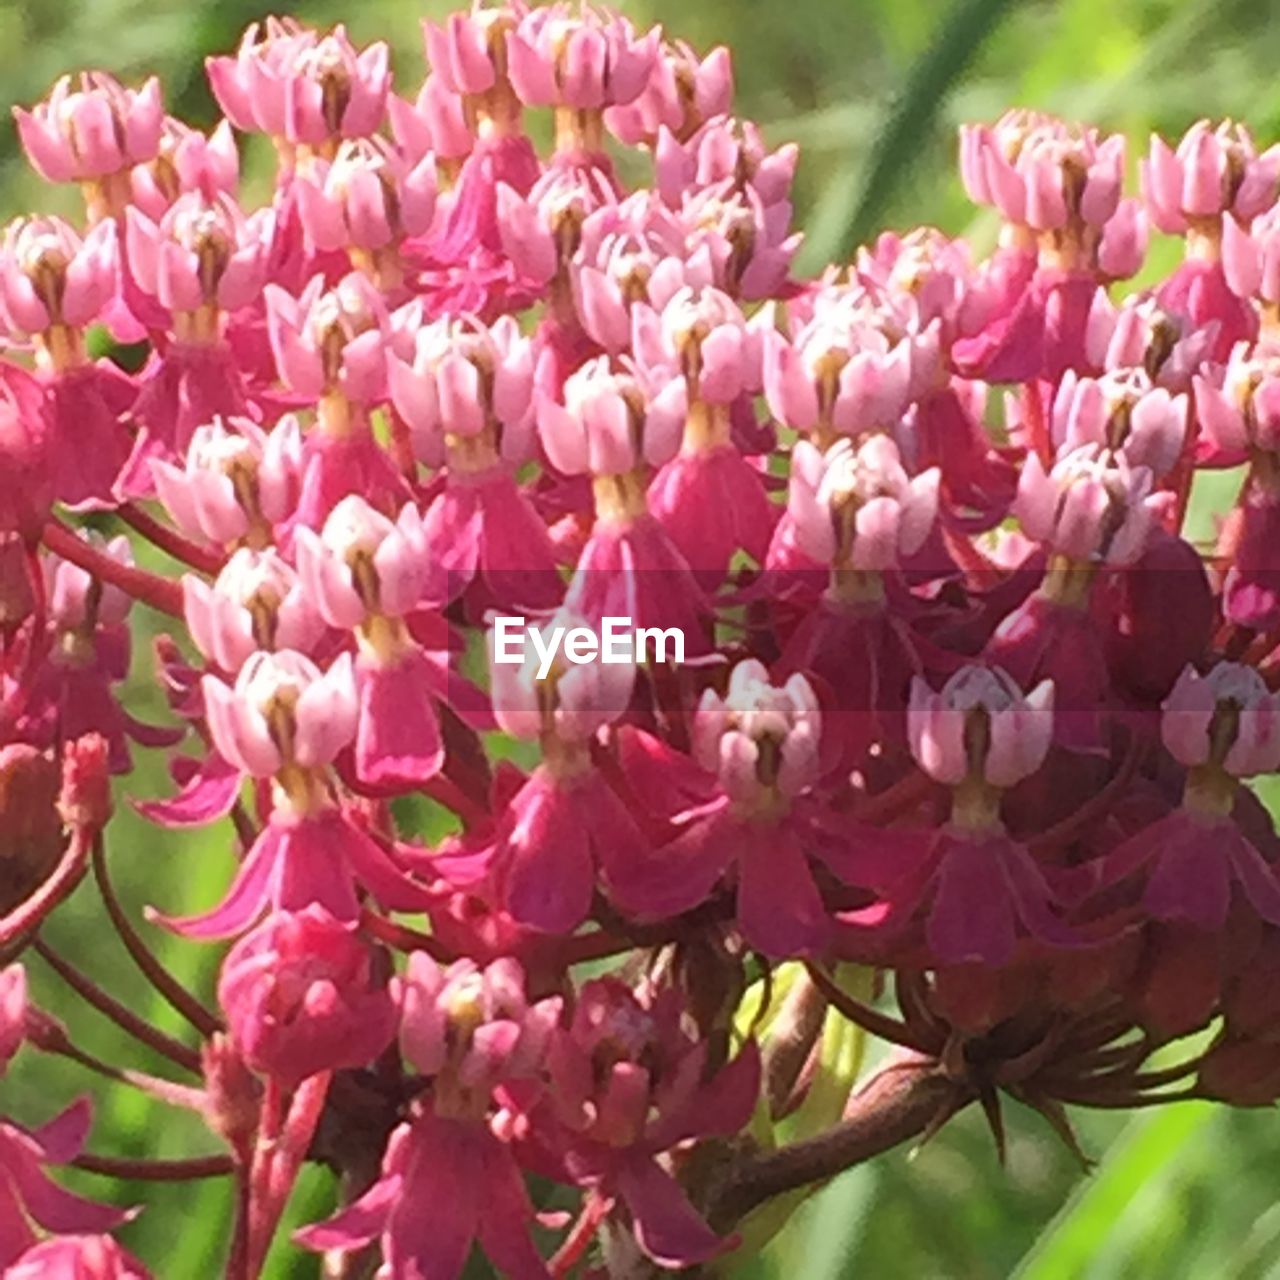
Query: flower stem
x=160 y=593
x=898 y=1103
x=170 y=540
x=110 y=1007
x=164 y=982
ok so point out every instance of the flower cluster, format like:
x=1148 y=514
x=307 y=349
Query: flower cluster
x=956 y=702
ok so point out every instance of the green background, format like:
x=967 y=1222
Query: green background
x=873 y=91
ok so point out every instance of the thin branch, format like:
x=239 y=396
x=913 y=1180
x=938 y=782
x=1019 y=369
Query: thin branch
x=128 y=1021
x=189 y=1170
x=900 y=1102
x=164 y=594
x=170 y=540
x=164 y=982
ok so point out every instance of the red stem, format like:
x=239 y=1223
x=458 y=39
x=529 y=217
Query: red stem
x=110 y=1007
x=188 y=1170
x=403 y=938
x=31 y=911
x=580 y=1236
x=164 y=982
x=170 y=540
x=160 y=593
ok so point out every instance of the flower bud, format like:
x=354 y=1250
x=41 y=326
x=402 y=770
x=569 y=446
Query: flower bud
x=304 y=993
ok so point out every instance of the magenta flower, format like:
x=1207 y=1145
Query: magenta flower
x=627 y=1086
x=302 y=994
x=975 y=892
x=286 y=720
x=73 y=692
x=762 y=742
x=629 y=568
x=30 y=1199
x=466 y=395
x=365 y=574
x=1193 y=861
x=77 y=1257
x=187 y=160
x=566 y=824
x=472 y=1032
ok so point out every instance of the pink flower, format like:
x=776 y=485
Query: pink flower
x=256 y=602
x=750 y=244
x=50 y=276
x=981 y=725
x=605 y=426
x=631 y=252
x=857 y=507
x=1226 y=717
x=473 y=1031
x=330 y=339
x=26 y=460
x=841 y=373
x=628 y=1083
x=1212 y=172
x=1140 y=334
x=1092 y=506
x=30 y=1199
x=1251 y=256
x=13 y=1013
x=366 y=573
x=93 y=131
x=368 y=198
x=299 y=86
x=683 y=92
x=1124 y=412
x=302 y=994
x=702 y=335
x=724 y=151
x=1239 y=407
x=1041 y=173
x=471 y=381
x=762 y=744
x=434 y=124
x=587 y=62
x=77 y=1257
x=187 y=160
x=236 y=480
x=282 y=711
x=204 y=252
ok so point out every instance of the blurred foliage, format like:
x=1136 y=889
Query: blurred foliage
x=873 y=90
